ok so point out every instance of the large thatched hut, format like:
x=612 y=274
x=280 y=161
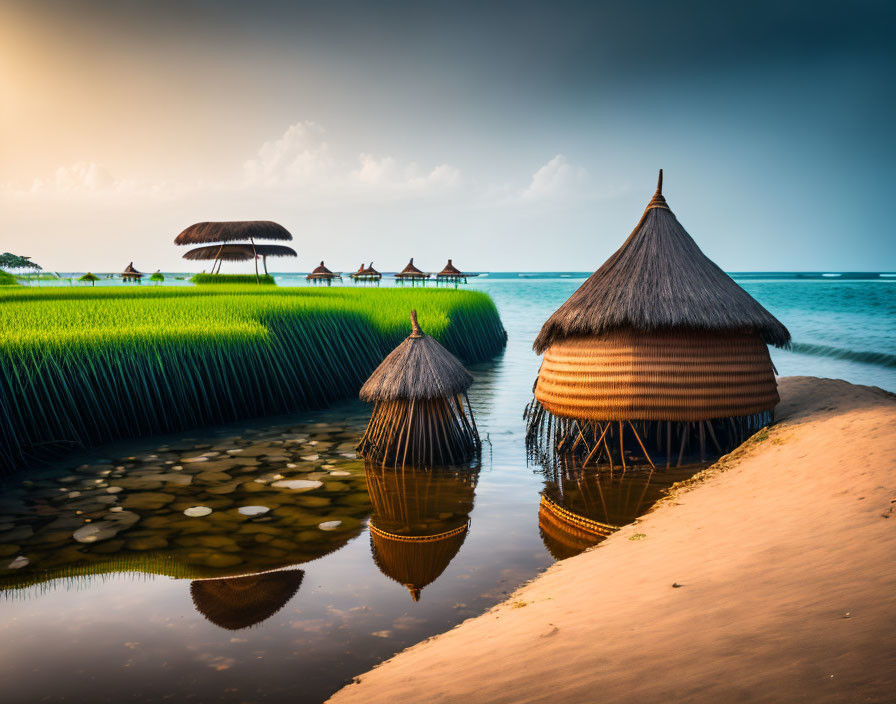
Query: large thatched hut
x=659 y=354
x=421 y=414
x=322 y=274
x=420 y=520
x=226 y=234
x=235 y=603
x=412 y=274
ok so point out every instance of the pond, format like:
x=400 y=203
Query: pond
x=262 y=562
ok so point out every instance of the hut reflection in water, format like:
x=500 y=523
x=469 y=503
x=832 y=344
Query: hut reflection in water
x=235 y=603
x=580 y=508
x=420 y=520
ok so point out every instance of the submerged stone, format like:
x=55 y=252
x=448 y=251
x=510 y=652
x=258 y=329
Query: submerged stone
x=19 y=562
x=150 y=542
x=329 y=525
x=253 y=510
x=94 y=532
x=298 y=484
x=148 y=500
x=197 y=511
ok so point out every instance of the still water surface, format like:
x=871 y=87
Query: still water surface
x=148 y=603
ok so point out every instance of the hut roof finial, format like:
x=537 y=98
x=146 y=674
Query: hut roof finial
x=659 y=184
x=415 y=591
x=415 y=327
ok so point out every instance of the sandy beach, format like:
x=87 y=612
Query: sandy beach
x=770 y=577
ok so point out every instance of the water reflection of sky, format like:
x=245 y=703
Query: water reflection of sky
x=139 y=638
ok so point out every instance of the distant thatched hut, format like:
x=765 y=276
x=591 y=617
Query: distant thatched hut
x=225 y=233
x=451 y=274
x=420 y=520
x=239 y=602
x=659 y=353
x=411 y=273
x=322 y=274
x=131 y=274
x=422 y=415
x=366 y=274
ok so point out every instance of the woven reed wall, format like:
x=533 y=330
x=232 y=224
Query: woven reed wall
x=674 y=376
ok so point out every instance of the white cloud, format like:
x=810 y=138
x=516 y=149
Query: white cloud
x=83 y=177
x=299 y=158
x=557 y=178
x=387 y=173
x=302 y=159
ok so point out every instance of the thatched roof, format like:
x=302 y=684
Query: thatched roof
x=227 y=252
x=419 y=368
x=361 y=270
x=321 y=272
x=450 y=270
x=205 y=232
x=239 y=602
x=273 y=250
x=370 y=271
x=411 y=270
x=659 y=279
x=129 y=270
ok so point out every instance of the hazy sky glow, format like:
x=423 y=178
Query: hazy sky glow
x=521 y=136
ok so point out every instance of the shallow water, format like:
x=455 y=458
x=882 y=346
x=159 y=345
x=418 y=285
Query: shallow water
x=156 y=604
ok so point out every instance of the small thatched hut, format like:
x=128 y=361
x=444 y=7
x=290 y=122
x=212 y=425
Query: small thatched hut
x=131 y=274
x=420 y=520
x=239 y=602
x=366 y=274
x=658 y=353
x=422 y=415
x=231 y=232
x=451 y=274
x=322 y=274
x=411 y=273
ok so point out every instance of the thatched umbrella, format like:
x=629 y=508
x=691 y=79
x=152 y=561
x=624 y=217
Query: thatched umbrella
x=157 y=276
x=273 y=250
x=451 y=274
x=420 y=520
x=411 y=273
x=239 y=602
x=220 y=253
x=422 y=415
x=89 y=277
x=131 y=274
x=321 y=273
x=659 y=350
x=208 y=232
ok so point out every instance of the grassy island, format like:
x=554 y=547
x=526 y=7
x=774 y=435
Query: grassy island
x=79 y=367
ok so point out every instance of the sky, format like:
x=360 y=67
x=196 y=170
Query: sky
x=504 y=135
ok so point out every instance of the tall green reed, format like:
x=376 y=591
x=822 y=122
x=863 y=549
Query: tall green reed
x=83 y=367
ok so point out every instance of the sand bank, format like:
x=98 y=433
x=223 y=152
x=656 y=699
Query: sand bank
x=785 y=554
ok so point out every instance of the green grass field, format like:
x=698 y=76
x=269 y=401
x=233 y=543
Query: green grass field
x=79 y=367
x=229 y=279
